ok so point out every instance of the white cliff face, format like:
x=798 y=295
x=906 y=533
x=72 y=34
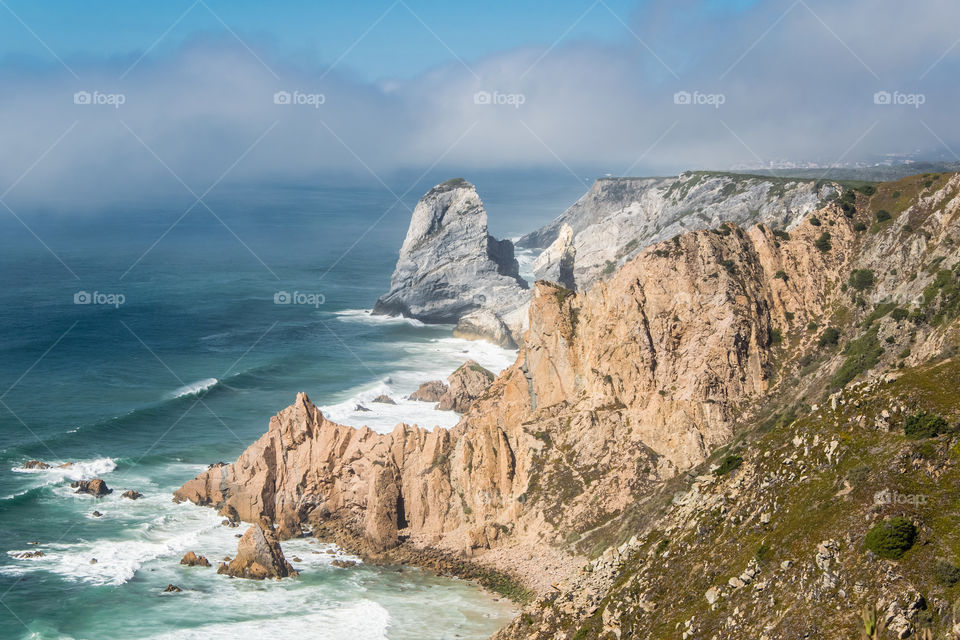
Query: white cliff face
x=619 y=217
x=556 y=263
x=449 y=264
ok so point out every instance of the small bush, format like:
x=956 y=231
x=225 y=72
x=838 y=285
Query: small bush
x=776 y=336
x=924 y=425
x=899 y=314
x=946 y=573
x=883 y=215
x=815 y=221
x=781 y=235
x=730 y=463
x=781 y=274
x=892 y=538
x=829 y=337
x=859 y=226
x=861 y=279
x=823 y=242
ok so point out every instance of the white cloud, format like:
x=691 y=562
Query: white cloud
x=804 y=91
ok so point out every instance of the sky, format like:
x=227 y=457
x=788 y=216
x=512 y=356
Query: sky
x=107 y=102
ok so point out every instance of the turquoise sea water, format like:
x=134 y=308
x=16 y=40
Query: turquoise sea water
x=187 y=371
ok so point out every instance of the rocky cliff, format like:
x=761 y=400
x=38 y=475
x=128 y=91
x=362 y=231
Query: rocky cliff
x=619 y=217
x=620 y=392
x=450 y=266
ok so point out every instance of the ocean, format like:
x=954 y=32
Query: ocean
x=141 y=350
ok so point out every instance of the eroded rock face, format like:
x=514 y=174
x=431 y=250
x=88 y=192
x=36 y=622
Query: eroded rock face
x=484 y=324
x=467 y=384
x=258 y=557
x=449 y=264
x=556 y=263
x=622 y=386
x=620 y=217
x=431 y=391
x=96 y=487
x=35 y=464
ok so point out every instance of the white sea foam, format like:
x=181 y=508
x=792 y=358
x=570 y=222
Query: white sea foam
x=360 y=619
x=194 y=388
x=433 y=360
x=367 y=316
x=79 y=470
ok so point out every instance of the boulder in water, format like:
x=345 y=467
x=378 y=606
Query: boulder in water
x=172 y=588
x=35 y=464
x=130 y=493
x=259 y=556
x=191 y=559
x=384 y=399
x=360 y=407
x=96 y=487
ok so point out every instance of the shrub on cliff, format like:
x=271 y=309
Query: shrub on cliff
x=891 y=538
x=946 y=573
x=823 y=242
x=861 y=279
x=923 y=425
x=729 y=463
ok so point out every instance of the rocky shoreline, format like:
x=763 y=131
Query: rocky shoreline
x=549 y=486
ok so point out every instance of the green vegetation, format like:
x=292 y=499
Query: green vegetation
x=899 y=314
x=892 y=538
x=924 y=425
x=730 y=463
x=780 y=234
x=561 y=295
x=859 y=226
x=815 y=221
x=776 y=336
x=823 y=242
x=781 y=274
x=862 y=355
x=829 y=338
x=883 y=215
x=946 y=573
x=861 y=279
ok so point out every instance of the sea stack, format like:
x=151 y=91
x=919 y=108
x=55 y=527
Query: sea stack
x=450 y=265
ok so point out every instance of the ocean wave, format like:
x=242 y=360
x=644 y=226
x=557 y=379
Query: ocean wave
x=358 y=619
x=79 y=470
x=366 y=316
x=194 y=388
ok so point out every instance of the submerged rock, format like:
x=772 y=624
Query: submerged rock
x=35 y=464
x=95 y=487
x=29 y=554
x=431 y=391
x=384 y=399
x=360 y=407
x=259 y=556
x=172 y=588
x=130 y=493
